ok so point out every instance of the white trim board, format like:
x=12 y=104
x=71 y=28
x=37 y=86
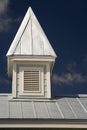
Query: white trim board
x=43 y=123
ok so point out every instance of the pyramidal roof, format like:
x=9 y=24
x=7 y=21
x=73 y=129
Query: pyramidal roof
x=30 y=38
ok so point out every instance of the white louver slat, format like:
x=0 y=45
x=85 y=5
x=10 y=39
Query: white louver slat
x=31 y=80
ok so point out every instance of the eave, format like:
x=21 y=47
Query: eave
x=48 y=123
x=26 y=59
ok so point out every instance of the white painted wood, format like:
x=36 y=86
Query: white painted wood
x=48 y=124
x=21 y=81
x=18 y=48
x=32 y=58
x=24 y=59
x=48 y=82
x=26 y=41
x=14 y=81
x=17 y=87
x=19 y=33
x=30 y=45
x=32 y=37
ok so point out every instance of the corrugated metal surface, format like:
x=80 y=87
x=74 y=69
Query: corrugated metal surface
x=77 y=108
x=65 y=108
x=4 y=107
x=62 y=108
x=41 y=110
x=53 y=110
x=15 y=110
x=27 y=110
x=84 y=103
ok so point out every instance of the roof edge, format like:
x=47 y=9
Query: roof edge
x=45 y=123
x=19 y=33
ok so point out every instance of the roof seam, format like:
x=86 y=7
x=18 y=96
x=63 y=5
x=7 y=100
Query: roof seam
x=81 y=105
x=9 y=109
x=21 y=110
x=22 y=34
x=31 y=39
x=47 y=109
x=34 y=110
x=71 y=108
x=58 y=107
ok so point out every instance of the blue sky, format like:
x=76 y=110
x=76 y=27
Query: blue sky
x=65 y=24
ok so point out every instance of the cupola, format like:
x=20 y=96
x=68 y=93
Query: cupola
x=30 y=60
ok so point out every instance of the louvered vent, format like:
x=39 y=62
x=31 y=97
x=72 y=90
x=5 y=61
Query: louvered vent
x=31 y=80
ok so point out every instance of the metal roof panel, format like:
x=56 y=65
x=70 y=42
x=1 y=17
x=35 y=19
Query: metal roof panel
x=65 y=108
x=4 y=107
x=41 y=110
x=15 y=110
x=77 y=108
x=33 y=40
x=61 y=108
x=53 y=110
x=27 y=109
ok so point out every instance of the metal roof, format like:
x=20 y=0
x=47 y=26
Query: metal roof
x=61 y=108
x=30 y=38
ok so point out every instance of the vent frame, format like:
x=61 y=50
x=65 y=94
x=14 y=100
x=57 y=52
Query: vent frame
x=33 y=84
x=21 y=90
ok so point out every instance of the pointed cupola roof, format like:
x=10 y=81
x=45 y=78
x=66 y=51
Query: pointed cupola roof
x=30 y=39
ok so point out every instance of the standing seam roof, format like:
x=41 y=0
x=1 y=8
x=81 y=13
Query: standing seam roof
x=62 y=108
x=30 y=38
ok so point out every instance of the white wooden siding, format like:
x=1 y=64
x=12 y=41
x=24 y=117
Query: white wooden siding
x=33 y=40
x=45 y=80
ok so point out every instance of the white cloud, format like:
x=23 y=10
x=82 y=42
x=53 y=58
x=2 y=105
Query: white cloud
x=69 y=79
x=6 y=22
x=4 y=19
x=3 y=6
